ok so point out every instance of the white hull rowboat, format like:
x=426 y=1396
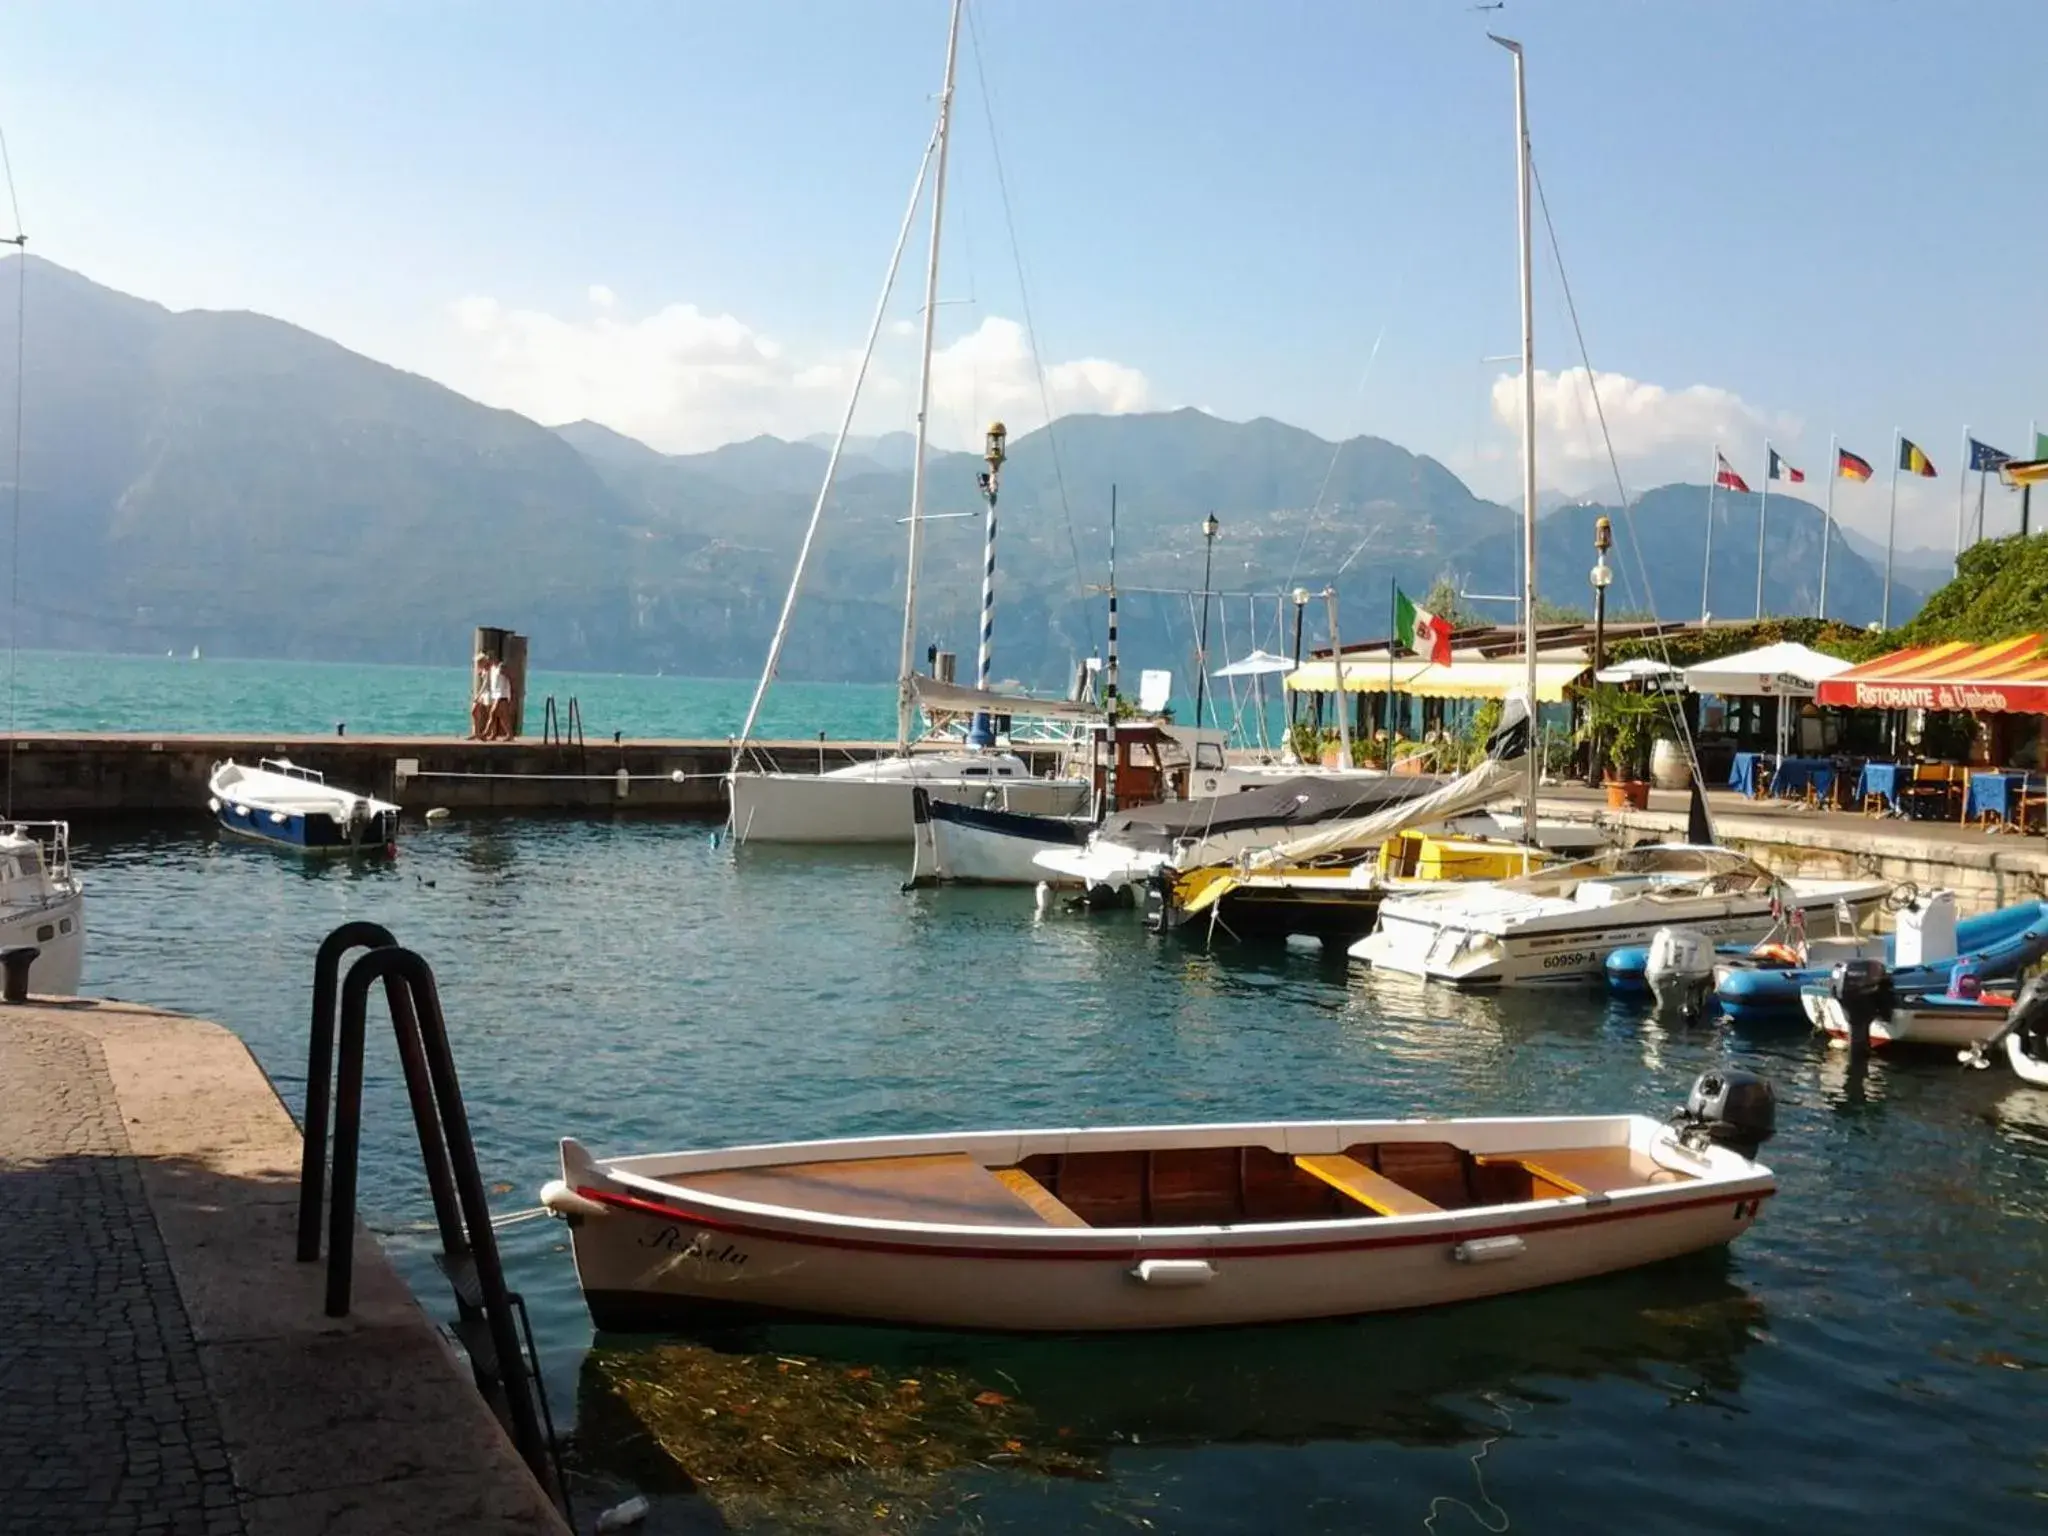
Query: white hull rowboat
x=1158 y=1227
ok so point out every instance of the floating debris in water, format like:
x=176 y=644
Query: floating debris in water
x=814 y=1444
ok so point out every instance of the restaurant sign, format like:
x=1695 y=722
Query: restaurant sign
x=2010 y=698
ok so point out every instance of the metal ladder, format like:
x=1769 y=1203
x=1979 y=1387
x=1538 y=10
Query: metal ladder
x=491 y=1322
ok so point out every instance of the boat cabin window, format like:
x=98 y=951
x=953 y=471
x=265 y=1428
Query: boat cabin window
x=64 y=926
x=1208 y=754
x=973 y=773
x=46 y=933
x=10 y=869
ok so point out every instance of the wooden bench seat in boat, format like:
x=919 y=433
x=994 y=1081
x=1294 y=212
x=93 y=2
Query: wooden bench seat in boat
x=947 y=1187
x=1038 y=1197
x=1373 y=1190
x=1586 y=1170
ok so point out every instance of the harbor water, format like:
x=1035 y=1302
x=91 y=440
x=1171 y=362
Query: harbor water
x=1873 y=1355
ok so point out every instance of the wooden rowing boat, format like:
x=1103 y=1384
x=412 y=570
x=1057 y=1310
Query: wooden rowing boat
x=1160 y=1226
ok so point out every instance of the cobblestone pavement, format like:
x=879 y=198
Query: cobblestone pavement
x=105 y=1420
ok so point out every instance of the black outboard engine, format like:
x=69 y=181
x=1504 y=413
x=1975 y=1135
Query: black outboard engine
x=1731 y=1108
x=1862 y=989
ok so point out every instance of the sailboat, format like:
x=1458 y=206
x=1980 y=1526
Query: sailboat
x=871 y=802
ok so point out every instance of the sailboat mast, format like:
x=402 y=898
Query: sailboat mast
x=1528 y=434
x=1109 y=684
x=904 y=703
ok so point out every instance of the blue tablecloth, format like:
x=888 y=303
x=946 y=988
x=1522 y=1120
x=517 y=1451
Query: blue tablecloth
x=1878 y=779
x=1742 y=772
x=1994 y=794
x=1795 y=774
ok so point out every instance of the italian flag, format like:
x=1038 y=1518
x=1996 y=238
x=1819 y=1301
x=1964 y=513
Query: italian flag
x=1423 y=632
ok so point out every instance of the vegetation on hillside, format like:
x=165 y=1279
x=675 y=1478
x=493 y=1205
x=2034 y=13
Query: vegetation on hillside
x=1684 y=648
x=1999 y=592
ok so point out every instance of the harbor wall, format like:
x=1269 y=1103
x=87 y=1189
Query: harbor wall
x=66 y=775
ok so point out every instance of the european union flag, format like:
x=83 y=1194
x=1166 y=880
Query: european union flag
x=1984 y=456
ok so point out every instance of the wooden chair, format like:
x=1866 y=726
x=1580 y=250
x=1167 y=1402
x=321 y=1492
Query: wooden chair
x=1932 y=787
x=2032 y=811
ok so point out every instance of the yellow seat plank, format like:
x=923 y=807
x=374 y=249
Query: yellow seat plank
x=1373 y=1190
x=1049 y=1207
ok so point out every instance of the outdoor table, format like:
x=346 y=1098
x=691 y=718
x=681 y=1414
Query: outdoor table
x=1878 y=779
x=1796 y=775
x=1994 y=792
x=1745 y=769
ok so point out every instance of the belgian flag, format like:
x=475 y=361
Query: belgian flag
x=1913 y=461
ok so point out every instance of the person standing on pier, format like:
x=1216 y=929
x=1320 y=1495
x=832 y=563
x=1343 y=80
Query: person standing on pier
x=498 y=725
x=480 y=697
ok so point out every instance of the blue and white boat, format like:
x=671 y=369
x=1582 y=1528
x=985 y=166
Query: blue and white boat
x=279 y=802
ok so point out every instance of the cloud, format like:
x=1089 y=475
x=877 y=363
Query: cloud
x=687 y=379
x=1660 y=432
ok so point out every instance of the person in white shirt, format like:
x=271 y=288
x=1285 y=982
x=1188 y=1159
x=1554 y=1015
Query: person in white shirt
x=499 y=684
x=480 y=698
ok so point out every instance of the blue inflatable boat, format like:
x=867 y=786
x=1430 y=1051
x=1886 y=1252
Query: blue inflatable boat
x=1998 y=944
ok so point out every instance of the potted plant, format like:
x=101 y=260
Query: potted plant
x=1624 y=723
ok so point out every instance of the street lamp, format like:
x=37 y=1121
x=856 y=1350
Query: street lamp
x=1301 y=597
x=1210 y=528
x=1602 y=577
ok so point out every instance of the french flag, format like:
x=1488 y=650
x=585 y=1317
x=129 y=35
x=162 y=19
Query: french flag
x=1780 y=470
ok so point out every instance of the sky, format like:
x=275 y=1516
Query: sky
x=1779 y=218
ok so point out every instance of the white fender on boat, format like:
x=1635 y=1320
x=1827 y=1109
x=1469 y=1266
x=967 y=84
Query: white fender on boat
x=1174 y=1274
x=1487 y=1250
x=438 y=813
x=2025 y=1067
x=564 y=1201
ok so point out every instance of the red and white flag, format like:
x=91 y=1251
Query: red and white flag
x=1725 y=477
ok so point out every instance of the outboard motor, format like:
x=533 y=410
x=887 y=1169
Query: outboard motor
x=1680 y=969
x=1730 y=1108
x=2025 y=1036
x=1862 y=989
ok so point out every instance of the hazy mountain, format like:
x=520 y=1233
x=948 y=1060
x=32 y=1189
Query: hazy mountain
x=889 y=450
x=1921 y=567
x=228 y=480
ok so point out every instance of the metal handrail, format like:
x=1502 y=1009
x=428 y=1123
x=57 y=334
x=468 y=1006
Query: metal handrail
x=490 y=1315
x=320 y=1071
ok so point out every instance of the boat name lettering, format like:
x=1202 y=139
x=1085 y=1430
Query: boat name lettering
x=699 y=1247
x=1928 y=696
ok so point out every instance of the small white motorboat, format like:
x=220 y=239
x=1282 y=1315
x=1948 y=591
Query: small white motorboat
x=1561 y=923
x=1860 y=1007
x=279 y=802
x=1158 y=1226
x=42 y=904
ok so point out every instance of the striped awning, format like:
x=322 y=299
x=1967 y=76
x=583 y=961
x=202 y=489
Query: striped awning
x=2010 y=677
x=1462 y=679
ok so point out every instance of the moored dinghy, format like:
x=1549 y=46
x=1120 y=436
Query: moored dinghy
x=1162 y=1226
x=279 y=802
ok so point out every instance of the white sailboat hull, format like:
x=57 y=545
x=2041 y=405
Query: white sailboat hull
x=972 y=845
x=653 y=1251
x=829 y=808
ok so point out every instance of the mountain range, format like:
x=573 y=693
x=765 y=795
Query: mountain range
x=230 y=480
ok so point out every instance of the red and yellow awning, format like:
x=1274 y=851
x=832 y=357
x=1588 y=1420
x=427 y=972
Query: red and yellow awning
x=2009 y=677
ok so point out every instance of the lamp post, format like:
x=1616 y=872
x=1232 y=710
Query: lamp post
x=1602 y=577
x=1301 y=596
x=1210 y=527
x=981 y=733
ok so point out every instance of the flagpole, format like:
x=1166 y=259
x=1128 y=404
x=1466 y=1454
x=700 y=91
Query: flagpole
x=1827 y=525
x=1891 y=528
x=1981 y=475
x=1337 y=669
x=1962 y=488
x=1763 y=505
x=1393 y=630
x=1707 y=565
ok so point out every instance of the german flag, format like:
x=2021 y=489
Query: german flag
x=1851 y=466
x=1913 y=461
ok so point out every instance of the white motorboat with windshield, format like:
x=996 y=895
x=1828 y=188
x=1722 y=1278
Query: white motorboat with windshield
x=1561 y=923
x=280 y=802
x=42 y=904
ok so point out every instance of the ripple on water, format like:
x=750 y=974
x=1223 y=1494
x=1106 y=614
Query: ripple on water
x=1874 y=1351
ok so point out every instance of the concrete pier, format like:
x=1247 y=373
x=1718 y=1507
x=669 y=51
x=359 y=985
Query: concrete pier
x=165 y=1366
x=74 y=775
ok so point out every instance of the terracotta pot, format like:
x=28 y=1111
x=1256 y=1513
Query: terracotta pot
x=1628 y=794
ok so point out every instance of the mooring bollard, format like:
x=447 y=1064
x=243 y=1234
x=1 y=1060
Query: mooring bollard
x=14 y=963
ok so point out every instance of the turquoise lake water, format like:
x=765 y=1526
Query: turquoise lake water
x=1874 y=1355
x=69 y=691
